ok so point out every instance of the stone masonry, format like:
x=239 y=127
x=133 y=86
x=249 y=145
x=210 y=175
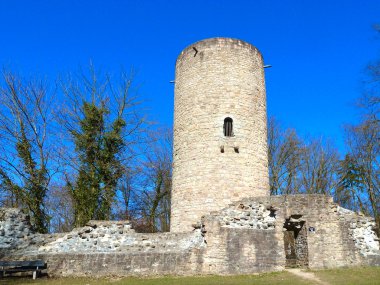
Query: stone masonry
x=216 y=79
x=246 y=237
x=334 y=237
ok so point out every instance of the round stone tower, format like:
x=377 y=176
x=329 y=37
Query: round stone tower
x=220 y=129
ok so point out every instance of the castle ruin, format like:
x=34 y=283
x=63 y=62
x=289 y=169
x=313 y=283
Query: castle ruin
x=223 y=219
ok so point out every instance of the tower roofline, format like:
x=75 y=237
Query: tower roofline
x=215 y=41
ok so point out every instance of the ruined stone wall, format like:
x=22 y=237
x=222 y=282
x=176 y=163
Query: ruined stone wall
x=244 y=238
x=101 y=248
x=215 y=79
x=301 y=247
x=97 y=264
x=14 y=229
x=17 y=234
x=335 y=236
x=330 y=237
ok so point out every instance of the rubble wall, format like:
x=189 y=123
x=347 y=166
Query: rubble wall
x=97 y=264
x=241 y=239
x=335 y=237
x=244 y=238
x=101 y=248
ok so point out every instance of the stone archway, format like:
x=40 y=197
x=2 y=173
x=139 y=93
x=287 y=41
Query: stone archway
x=295 y=242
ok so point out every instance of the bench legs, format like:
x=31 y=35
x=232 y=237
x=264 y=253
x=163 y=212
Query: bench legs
x=36 y=273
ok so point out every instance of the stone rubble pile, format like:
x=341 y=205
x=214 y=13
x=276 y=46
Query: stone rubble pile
x=251 y=215
x=104 y=236
x=15 y=229
x=18 y=237
x=17 y=234
x=362 y=231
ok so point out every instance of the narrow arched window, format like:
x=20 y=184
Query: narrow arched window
x=227 y=127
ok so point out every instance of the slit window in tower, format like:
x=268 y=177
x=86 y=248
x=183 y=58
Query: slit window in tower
x=227 y=127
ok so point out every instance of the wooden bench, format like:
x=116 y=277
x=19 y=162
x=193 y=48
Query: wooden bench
x=22 y=266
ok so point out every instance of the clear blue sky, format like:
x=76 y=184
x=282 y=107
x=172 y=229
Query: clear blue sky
x=318 y=49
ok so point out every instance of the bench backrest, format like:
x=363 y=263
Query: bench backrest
x=26 y=263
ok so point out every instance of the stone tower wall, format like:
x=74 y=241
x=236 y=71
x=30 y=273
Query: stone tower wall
x=217 y=78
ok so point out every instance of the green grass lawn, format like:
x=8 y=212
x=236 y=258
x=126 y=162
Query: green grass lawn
x=366 y=275
x=282 y=278
x=348 y=276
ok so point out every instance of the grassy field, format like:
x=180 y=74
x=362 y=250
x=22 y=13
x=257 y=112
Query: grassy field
x=352 y=276
x=357 y=276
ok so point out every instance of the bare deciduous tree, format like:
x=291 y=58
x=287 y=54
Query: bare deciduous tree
x=26 y=166
x=363 y=142
x=104 y=126
x=319 y=166
x=364 y=147
x=154 y=193
x=283 y=158
x=60 y=207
